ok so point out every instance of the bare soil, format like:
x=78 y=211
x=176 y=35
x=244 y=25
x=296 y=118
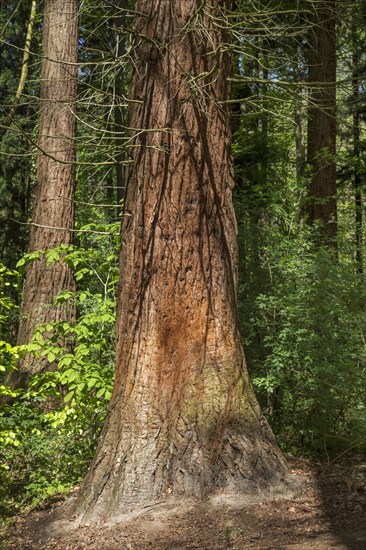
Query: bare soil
x=329 y=513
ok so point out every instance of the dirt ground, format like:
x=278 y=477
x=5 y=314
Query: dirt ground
x=329 y=513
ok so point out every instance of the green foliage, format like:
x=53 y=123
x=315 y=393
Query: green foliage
x=45 y=453
x=302 y=311
x=304 y=331
x=87 y=370
x=9 y=354
x=9 y=282
x=49 y=433
x=17 y=165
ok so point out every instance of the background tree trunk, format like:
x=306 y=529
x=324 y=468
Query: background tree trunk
x=53 y=203
x=119 y=110
x=24 y=72
x=322 y=203
x=183 y=418
x=356 y=134
x=299 y=76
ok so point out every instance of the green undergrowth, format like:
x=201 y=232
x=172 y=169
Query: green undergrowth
x=303 y=322
x=303 y=319
x=49 y=432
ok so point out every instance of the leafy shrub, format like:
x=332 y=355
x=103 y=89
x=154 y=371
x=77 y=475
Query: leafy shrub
x=49 y=433
x=305 y=344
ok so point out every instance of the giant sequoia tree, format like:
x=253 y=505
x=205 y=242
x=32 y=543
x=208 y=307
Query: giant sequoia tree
x=183 y=419
x=53 y=214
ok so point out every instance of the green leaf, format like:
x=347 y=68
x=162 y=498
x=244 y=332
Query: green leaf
x=101 y=392
x=66 y=360
x=32 y=346
x=83 y=296
x=69 y=396
x=92 y=382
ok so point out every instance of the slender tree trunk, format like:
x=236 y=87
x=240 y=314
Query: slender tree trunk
x=24 y=71
x=300 y=148
x=356 y=58
x=119 y=111
x=53 y=209
x=322 y=201
x=264 y=128
x=298 y=119
x=358 y=191
x=299 y=143
x=183 y=419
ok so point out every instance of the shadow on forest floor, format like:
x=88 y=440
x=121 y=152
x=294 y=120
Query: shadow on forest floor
x=343 y=502
x=328 y=514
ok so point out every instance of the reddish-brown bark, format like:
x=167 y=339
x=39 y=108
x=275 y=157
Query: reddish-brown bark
x=322 y=200
x=53 y=202
x=183 y=419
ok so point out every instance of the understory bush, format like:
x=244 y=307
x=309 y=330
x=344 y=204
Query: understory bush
x=304 y=329
x=48 y=432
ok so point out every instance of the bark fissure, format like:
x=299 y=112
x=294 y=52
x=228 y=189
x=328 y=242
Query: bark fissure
x=183 y=418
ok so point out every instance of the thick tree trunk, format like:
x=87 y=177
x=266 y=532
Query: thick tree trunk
x=183 y=419
x=53 y=204
x=322 y=201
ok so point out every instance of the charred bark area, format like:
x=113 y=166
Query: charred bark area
x=53 y=208
x=183 y=420
x=322 y=200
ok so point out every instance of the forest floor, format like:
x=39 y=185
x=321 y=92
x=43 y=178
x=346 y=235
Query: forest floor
x=329 y=513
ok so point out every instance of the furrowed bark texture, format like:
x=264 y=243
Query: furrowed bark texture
x=183 y=419
x=53 y=202
x=322 y=203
